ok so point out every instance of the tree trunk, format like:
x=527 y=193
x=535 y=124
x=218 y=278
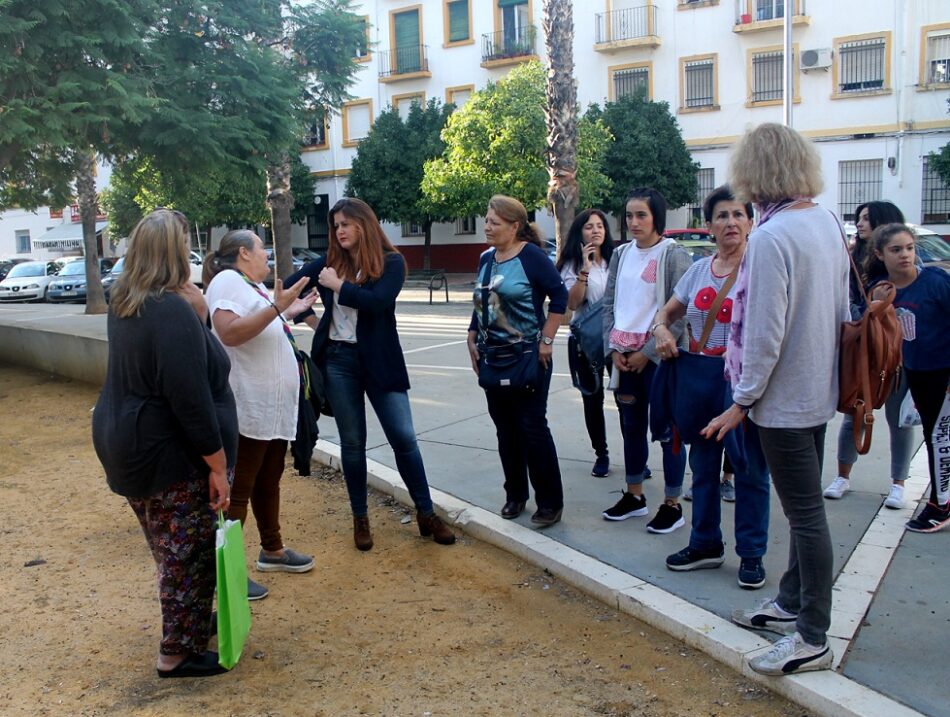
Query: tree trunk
x=427 y=253
x=561 y=113
x=88 y=208
x=280 y=201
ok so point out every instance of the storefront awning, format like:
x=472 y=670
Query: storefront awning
x=65 y=236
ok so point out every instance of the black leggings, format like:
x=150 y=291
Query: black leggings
x=929 y=391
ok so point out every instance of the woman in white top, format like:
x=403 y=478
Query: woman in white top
x=583 y=263
x=265 y=380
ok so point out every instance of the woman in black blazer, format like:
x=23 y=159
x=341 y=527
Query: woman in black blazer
x=357 y=345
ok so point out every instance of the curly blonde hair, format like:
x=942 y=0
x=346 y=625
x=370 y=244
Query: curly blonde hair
x=773 y=162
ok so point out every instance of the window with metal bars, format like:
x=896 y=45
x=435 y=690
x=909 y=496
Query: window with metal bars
x=861 y=65
x=938 y=59
x=411 y=229
x=633 y=81
x=316 y=134
x=699 y=83
x=859 y=181
x=935 y=205
x=465 y=225
x=767 y=76
x=705 y=183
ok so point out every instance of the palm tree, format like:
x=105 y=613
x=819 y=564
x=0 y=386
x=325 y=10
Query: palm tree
x=557 y=20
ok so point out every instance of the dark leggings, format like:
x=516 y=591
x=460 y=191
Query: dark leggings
x=929 y=391
x=260 y=464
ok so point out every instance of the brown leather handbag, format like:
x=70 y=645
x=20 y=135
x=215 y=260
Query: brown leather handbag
x=870 y=359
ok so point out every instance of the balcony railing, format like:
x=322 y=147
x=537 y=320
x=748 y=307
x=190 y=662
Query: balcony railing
x=404 y=61
x=629 y=24
x=514 y=42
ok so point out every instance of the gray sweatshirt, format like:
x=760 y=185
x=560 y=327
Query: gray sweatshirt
x=797 y=299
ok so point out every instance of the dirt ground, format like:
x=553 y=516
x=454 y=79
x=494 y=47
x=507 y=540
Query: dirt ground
x=409 y=628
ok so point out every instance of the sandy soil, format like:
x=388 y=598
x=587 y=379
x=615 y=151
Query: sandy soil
x=410 y=628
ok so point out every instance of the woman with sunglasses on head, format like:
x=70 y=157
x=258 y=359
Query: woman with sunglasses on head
x=266 y=381
x=583 y=263
x=165 y=430
x=870 y=217
x=922 y=301
x=358 y=347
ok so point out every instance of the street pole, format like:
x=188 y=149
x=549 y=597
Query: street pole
x=788 y=66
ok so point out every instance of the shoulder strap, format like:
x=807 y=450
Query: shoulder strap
x=485 y=278
x=717 y=304
x=854 y=267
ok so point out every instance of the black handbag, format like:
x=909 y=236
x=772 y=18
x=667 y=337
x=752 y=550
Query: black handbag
x=509 y=366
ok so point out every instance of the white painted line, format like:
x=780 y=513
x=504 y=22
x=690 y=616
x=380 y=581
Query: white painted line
x=436 y=346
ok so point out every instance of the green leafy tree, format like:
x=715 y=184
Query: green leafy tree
x=648 y=151
x=496 y=143
x=388 y=169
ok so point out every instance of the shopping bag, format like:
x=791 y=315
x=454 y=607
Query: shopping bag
x=234 y=612
x=909 y=416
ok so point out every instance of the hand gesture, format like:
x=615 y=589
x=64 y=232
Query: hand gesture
x=301 y=304
x=329 y=278
x=283 y=298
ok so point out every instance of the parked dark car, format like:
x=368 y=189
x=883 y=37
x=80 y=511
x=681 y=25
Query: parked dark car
x=70 y=282
x=298 y=261
x=109 y=279
x=8 y=264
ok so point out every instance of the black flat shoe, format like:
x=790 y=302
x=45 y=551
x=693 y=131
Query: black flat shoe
x=546 y=516
x=512 y=509
x=203 y=665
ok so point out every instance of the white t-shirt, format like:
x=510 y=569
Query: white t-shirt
x=635 y=297
x=596 y=285
x=264 y=374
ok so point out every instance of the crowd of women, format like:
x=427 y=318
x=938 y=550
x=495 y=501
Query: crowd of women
x=733 y=355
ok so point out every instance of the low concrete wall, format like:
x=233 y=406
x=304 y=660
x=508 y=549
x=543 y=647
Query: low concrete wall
x=79 y=357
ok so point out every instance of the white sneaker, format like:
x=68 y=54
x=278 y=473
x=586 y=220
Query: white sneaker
x=839 y=486
x=895 y=499
x=792 y=654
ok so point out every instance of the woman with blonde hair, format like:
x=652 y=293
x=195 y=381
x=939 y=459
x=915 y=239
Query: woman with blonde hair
x=357 y=344
x=515 y=276
x=165 y=430
x=266 y=381
x=782 y=359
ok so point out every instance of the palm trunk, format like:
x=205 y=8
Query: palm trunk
x=88 y=209
x=280 y=201
x=427 y=253
x=561 y=113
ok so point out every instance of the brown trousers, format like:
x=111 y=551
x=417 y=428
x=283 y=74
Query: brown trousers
x=257 y=480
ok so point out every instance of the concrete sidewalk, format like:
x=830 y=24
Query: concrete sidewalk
x=882 y=633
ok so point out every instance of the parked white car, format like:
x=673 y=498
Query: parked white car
x=28 y=281
x=197 y=262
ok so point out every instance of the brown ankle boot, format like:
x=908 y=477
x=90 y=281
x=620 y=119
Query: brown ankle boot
x=432 y=525
x=361 y=535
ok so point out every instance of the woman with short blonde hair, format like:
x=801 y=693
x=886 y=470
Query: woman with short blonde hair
x=791 y=297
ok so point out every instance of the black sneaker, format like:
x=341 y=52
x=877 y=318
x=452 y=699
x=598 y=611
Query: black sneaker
x=931 y=519
x=629 y=506
x=601 y=467
x=751 y=573
x=691 y=559
x=667 y=519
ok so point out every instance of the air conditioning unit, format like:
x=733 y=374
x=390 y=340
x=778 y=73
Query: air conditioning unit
x=816 y=59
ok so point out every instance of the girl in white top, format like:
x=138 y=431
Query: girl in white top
x=583 y=263
x=265 y=380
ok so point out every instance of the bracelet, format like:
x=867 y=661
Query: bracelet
x=658 y=323
x=582 y=281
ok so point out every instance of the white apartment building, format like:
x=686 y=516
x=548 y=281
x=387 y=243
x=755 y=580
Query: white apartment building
x=871 y=85
x=871 y=88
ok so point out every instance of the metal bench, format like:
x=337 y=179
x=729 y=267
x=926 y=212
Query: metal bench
x=431 y=279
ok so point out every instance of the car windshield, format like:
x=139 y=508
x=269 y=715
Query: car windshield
x=933 y=249
x=117 y=267
x=31 y=269
x=74 y=268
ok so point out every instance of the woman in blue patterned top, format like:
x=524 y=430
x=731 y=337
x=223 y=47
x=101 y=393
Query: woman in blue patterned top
x=515 y=276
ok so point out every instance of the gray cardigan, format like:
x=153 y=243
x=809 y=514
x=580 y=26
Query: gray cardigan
x=673 y=263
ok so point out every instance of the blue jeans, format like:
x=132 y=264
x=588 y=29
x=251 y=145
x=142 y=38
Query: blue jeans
x=525 y=444
x=794 y=456
x=634 y=426
x=902 y=439
x=345 y=389
x=752 y=495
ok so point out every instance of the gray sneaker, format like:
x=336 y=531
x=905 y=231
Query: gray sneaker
x=727 y=491
x=256 y=591
x=688 y=493
x=767 y=615
x=290 y=562
x=792 y=654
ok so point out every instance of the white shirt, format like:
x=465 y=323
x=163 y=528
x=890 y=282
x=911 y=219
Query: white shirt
x=596 y=285
x=635 y=302
x=264 y=374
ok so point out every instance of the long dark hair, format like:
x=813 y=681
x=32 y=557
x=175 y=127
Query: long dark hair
x=874 y=268
x=572 y=252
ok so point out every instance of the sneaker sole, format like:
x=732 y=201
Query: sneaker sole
x=638 y=513
x=600 y=475
x=281 y=568
x=893 y=506
x=821 y=661
x=932 y=528
x=784 y=626
x=835 y=496
x=704 y=564
x=257 y=597
x=750 y=586
x=663 y=531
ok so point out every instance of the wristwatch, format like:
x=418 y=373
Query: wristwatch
x=547 y=340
